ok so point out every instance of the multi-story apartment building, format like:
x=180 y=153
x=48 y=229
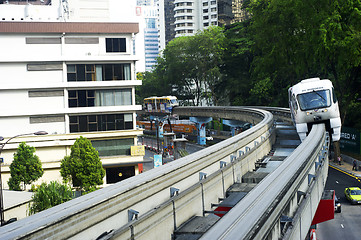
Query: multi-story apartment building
x=186 y=17
x=70 y=79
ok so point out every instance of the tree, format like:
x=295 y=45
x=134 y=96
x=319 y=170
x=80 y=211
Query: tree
x=49 y=195
x=25 y=168
x=237 y=58
x=83 y=167
x=295 y=40
x=190 y=67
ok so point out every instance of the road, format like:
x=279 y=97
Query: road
x=347 y=224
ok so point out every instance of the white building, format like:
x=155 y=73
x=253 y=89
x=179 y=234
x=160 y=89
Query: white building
x=193 y=15
x=70 y=79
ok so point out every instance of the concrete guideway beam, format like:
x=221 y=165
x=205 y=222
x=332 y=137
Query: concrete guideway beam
x=107 y=208
x=261 y=210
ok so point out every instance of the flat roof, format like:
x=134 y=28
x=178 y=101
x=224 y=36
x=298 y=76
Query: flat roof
x=68 y=27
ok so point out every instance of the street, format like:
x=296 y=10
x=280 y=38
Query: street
x=347 y=224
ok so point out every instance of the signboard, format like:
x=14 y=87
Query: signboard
x=158 y=161
x=137 y=150
x=350 y=140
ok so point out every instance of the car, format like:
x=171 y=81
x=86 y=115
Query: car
x=353 y=194
x=337 y=205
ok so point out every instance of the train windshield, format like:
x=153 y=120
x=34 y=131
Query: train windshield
x=173 y=101
x=314 y=99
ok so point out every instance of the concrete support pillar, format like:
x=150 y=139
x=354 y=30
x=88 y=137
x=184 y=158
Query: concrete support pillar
x=233 y=124
x=201 y=126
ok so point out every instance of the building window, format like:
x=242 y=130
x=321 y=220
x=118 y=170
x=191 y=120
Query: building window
x=205 y=24
x=91 y=98
x=98 y=72
x=115 y=45
x=95 y=123
x=46 y=93
x=205 y=17
x=44 y=66
x=205 y=4
x=47 y=119
x=113 y=147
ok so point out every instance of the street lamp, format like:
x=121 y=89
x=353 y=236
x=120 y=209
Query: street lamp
x=2 y=219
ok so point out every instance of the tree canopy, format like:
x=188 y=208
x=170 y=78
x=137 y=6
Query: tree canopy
x=83 y=167
x=189 y=68
x=25 y=168
x=254 y=62
x=49 y=195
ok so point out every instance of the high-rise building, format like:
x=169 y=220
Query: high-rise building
x=148 y=12
x=186 y=17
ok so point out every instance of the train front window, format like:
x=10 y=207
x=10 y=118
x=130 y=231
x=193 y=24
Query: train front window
x=314 y=100
x=174 y=101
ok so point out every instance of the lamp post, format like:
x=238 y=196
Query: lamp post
x=2 y=219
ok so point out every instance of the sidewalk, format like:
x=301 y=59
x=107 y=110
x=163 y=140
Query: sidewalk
x=346 y=166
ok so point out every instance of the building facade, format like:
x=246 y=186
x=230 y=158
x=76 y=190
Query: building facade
x=186 y=17
x=148 y=12
x=70 y=79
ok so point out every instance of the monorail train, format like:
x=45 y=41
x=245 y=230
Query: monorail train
x=163 y=104
x=314 y=101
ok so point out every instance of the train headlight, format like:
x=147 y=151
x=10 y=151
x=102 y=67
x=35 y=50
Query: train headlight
x=326 y=110
x=308 y=113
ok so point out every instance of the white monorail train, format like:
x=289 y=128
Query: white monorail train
x=314 y=101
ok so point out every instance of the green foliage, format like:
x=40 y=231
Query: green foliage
x=49 y=195
x=256 y=61
x=189 y=68
x=25 y=168
x=295 y=40
x=237 y=59
x=83 y=167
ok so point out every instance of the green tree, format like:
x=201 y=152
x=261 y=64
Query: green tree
x=83 y=167
x=49 y=195
x=237 y=58
x=190 y=67
x=300 y=39
x=25 y=168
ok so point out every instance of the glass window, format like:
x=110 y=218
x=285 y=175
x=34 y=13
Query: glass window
x=91 y=98
x=105 y=122
x=334 y=97
x=314 y=100
x=113 y=147
x=115 y=44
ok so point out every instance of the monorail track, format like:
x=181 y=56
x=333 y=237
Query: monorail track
x=153 y=205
